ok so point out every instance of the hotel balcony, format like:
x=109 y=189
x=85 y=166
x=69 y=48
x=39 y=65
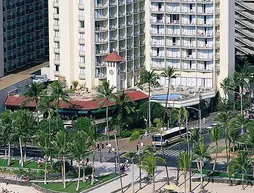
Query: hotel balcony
x=82 y=53
x=82 y=65
x=81 y=41
x=55 y=15
x=56 y=27
x=56 y=73
x=82 y=76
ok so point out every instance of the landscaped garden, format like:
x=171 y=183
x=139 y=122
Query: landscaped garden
x=71 y=186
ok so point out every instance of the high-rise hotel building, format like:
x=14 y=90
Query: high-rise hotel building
x=83 y=32
x=23 y=34
x=194 y=36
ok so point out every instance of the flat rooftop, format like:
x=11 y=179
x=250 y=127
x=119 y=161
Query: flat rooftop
x=15 y=78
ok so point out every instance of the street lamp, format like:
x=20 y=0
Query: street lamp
x=200 y=123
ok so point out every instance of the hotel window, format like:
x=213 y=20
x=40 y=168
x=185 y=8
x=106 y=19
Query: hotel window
x=81 y=24
x=82 y=47
x=57 y=45
x=57 y=56
x=56 y=10
x=57 y=68
x=56 y=22
x=56 y=33
x=81 y=12
x=82 y=36
x=82 y=71
x=82 y=59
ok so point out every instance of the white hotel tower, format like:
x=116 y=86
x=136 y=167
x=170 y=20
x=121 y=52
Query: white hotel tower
x=195 y=36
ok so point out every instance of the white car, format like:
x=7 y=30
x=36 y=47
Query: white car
x=211 y=126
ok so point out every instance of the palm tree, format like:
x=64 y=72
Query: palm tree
x=201 y=153
x=223 y=124
x=149 y=164
x=124 y=107
x=233 y=136
x=105 y=92
x=149 y=78
x=78 y=148
x=33 y=92
x=241 y=164
x=168 y=73
x=46 y=108
x=241 y=123
x=184 y=162
x=43 y=141
x=131 y=155
x=243 y=77
x=56 y=92
x=61 y=145
x=136 y=136
x=119 y=163
x=159 y=128
x=23 y=124
x=6 y=122
x=215 y=134
x=227 y=85
x=87 y=125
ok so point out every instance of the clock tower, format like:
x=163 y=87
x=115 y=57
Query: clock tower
x=113 y=69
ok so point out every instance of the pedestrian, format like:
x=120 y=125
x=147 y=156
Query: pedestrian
x=39 y=163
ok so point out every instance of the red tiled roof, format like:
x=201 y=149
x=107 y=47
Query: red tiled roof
x=18 y=100
x=113 y=57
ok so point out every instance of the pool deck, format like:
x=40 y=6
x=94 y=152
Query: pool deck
x=191 y=95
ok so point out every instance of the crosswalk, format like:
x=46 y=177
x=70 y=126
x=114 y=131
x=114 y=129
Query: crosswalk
x=170 y=152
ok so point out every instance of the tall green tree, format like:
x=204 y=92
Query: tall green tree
x=201 y=153
x=227 y=85
x=168 y=73
x=125 y=107
x=57 y=92
x=184 y=162
x=136 y=136
x=149 y=78
x=215 y=135
x=43 y=141
x=24 y=127
x=243 y=77
x=149 y=164
x=32 y=93
x=78 y=148
x=87 y=125
x=6 y=132
x=223 y=124
x=61 y=144
x=159 y=128
x=105 y=92
x=241 y=164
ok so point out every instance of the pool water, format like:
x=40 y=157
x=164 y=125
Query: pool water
x=163 y=97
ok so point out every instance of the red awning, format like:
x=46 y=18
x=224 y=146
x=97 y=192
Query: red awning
x=17 y=101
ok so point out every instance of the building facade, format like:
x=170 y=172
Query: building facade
x=244 y=27
x=84 y=32
x=24 y=34
x=194 y=36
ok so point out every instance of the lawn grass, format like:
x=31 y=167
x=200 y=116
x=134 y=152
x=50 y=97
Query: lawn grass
x=27 y=164
x=71 y=186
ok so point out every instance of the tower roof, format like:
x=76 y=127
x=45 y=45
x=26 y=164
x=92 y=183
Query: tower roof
x=113 y=57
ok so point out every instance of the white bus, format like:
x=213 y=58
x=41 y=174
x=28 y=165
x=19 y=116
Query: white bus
x=169 y=136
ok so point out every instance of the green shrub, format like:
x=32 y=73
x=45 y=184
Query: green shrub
x=125 y=133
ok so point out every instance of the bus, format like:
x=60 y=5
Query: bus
x=169 y=136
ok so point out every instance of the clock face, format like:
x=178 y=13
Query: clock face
x=111 y=72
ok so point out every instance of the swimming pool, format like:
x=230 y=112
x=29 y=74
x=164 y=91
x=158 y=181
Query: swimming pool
x=163 y=97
